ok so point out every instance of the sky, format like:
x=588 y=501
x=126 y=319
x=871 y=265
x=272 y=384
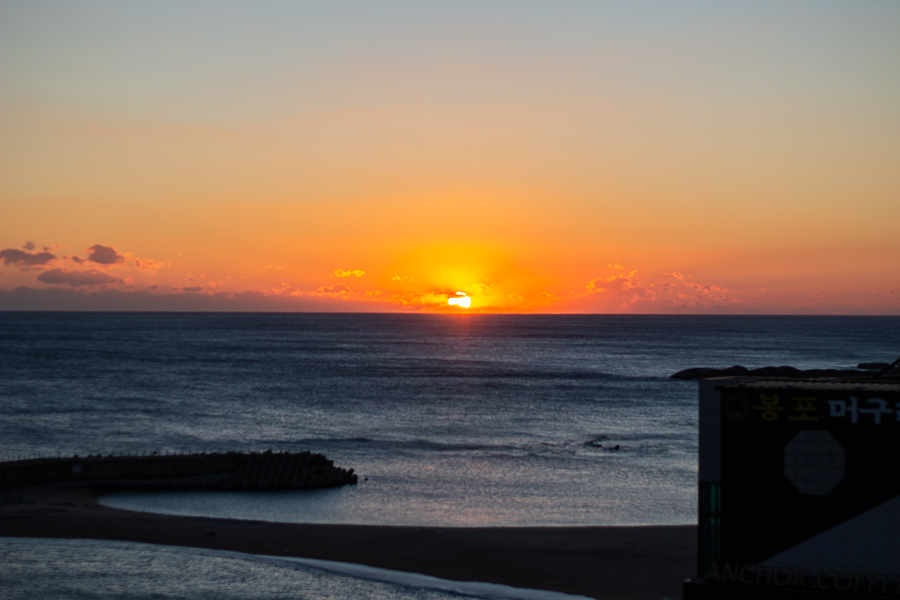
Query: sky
x=548 y=157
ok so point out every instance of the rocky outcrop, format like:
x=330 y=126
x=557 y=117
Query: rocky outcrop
x=217 y=471
x=791 y=372
x=288 y=471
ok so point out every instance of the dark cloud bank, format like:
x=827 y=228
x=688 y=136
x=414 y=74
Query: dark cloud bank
x=77 y=278
x=102 y=255
x=66 y=299
x=98 y=253
x=22 y=258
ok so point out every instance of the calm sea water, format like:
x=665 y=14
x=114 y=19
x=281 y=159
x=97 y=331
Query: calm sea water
x=97 y=570
x=454 y=420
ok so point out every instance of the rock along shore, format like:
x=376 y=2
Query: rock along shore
x=213 y=471
x=783 y=371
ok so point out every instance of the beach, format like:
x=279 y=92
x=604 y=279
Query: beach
x=607 y=563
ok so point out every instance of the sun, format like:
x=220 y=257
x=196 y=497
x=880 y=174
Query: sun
x=461 y=299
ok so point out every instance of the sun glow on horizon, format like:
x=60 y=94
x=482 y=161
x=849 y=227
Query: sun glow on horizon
x=462 y=300
x=559 y=161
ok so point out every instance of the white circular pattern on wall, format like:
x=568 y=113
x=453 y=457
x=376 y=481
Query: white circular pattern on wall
x=814 y=462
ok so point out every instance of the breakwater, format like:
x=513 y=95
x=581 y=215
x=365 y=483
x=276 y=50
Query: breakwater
x=214 y=471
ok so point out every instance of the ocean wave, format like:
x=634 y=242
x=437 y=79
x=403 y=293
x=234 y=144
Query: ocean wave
x=488 y=591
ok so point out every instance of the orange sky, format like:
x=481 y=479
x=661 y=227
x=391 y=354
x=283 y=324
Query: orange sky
x=590 y=158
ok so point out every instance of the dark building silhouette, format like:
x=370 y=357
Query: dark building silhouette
x=799 y=489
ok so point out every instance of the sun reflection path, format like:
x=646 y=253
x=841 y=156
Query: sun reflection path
x=461 y=300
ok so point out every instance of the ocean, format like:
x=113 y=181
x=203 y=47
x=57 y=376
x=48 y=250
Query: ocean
x=449 y=420
x=52 y=569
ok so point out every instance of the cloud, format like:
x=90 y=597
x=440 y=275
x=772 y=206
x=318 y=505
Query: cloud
x=435 y=299
x=620 y=281
x=104 y=255
x=618 y=292
x=29 y=246
x=353 y=273
x=107 y=256
x=714 y=292
x=77 y=278
x=626 y=292
x=146 y=264
x=705 y=296
x=707 y=288
x=335 y=289
x=22 y=258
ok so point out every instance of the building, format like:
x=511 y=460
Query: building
x=799 y=489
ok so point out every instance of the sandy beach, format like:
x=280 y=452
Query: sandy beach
x=608 y=563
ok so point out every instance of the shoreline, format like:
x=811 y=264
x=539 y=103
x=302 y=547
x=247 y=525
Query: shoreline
x=607 y=563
